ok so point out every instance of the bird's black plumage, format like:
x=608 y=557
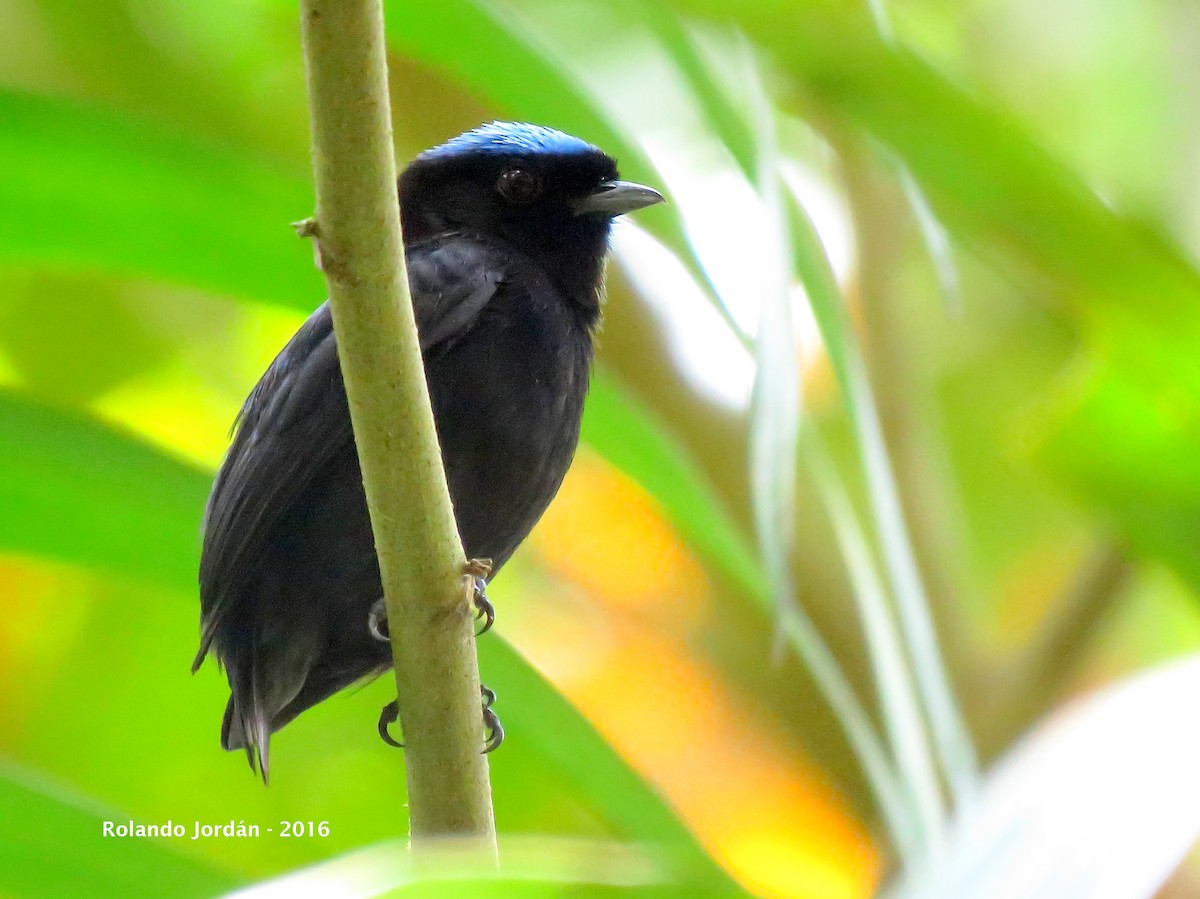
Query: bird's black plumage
x=506 y=228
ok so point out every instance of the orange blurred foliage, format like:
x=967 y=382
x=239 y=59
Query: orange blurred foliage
x=611 y=639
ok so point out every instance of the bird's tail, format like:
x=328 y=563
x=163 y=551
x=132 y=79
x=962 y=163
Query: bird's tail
x=250 y=732
x=263 y=684
x=247 y=723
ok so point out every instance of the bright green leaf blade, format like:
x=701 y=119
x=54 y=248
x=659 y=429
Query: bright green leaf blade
x=1021 y=197
x=997 y=189
x=82 y=188
x=776 y=371
x=74 y=489
x=719 y=111
x=1140 y=459
x=773 y=447
x=52 y=845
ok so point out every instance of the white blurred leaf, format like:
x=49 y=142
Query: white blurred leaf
x=387 y=867
x=1102 y=801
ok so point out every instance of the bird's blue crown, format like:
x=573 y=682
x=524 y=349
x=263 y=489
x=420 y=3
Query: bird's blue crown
x=504 y=138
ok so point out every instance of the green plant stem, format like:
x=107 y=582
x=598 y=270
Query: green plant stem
x=420 y=555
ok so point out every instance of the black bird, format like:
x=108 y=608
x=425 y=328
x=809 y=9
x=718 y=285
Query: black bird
x=506 y=228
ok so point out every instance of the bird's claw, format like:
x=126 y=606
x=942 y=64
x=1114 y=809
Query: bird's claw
x=389 y=715
x=475 y=573
x=491 y=723
x=483 y=606
x=377 y=622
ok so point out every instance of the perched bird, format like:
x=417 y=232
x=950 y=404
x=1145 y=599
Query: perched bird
x=506 y=228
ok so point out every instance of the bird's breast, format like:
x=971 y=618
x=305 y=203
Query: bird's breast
x=508 y=398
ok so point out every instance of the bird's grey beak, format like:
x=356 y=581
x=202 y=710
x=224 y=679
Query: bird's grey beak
x=617 y=198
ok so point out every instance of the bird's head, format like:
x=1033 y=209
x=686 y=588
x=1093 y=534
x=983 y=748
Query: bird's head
x=548 y=195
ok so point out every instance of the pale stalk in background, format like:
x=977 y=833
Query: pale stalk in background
x=937 y=241
x=774 y=446
x=915 y=814
x=901 y=388
x=420 y=555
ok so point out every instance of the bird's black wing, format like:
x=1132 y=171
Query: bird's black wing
x=296 y=419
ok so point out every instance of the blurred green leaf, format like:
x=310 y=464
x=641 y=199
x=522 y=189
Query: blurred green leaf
x=916 y=808
x=721 y=114
x=949 y=732
x=980 y=167
x=52 y=845
x=221 y=71
x=776 y=370
x=83 y=188
x=74 y=489
x=106 y=330
x=1141 y=459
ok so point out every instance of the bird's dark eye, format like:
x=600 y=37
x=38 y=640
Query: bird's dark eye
x=519 y=185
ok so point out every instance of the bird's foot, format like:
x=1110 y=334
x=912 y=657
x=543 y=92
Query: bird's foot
x=475 y=573
x=377 y=622
x=494 y=729
x=389 y=715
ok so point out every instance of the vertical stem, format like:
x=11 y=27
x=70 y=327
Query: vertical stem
x=420 y=554
x=900 y=387
x=913 y=505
